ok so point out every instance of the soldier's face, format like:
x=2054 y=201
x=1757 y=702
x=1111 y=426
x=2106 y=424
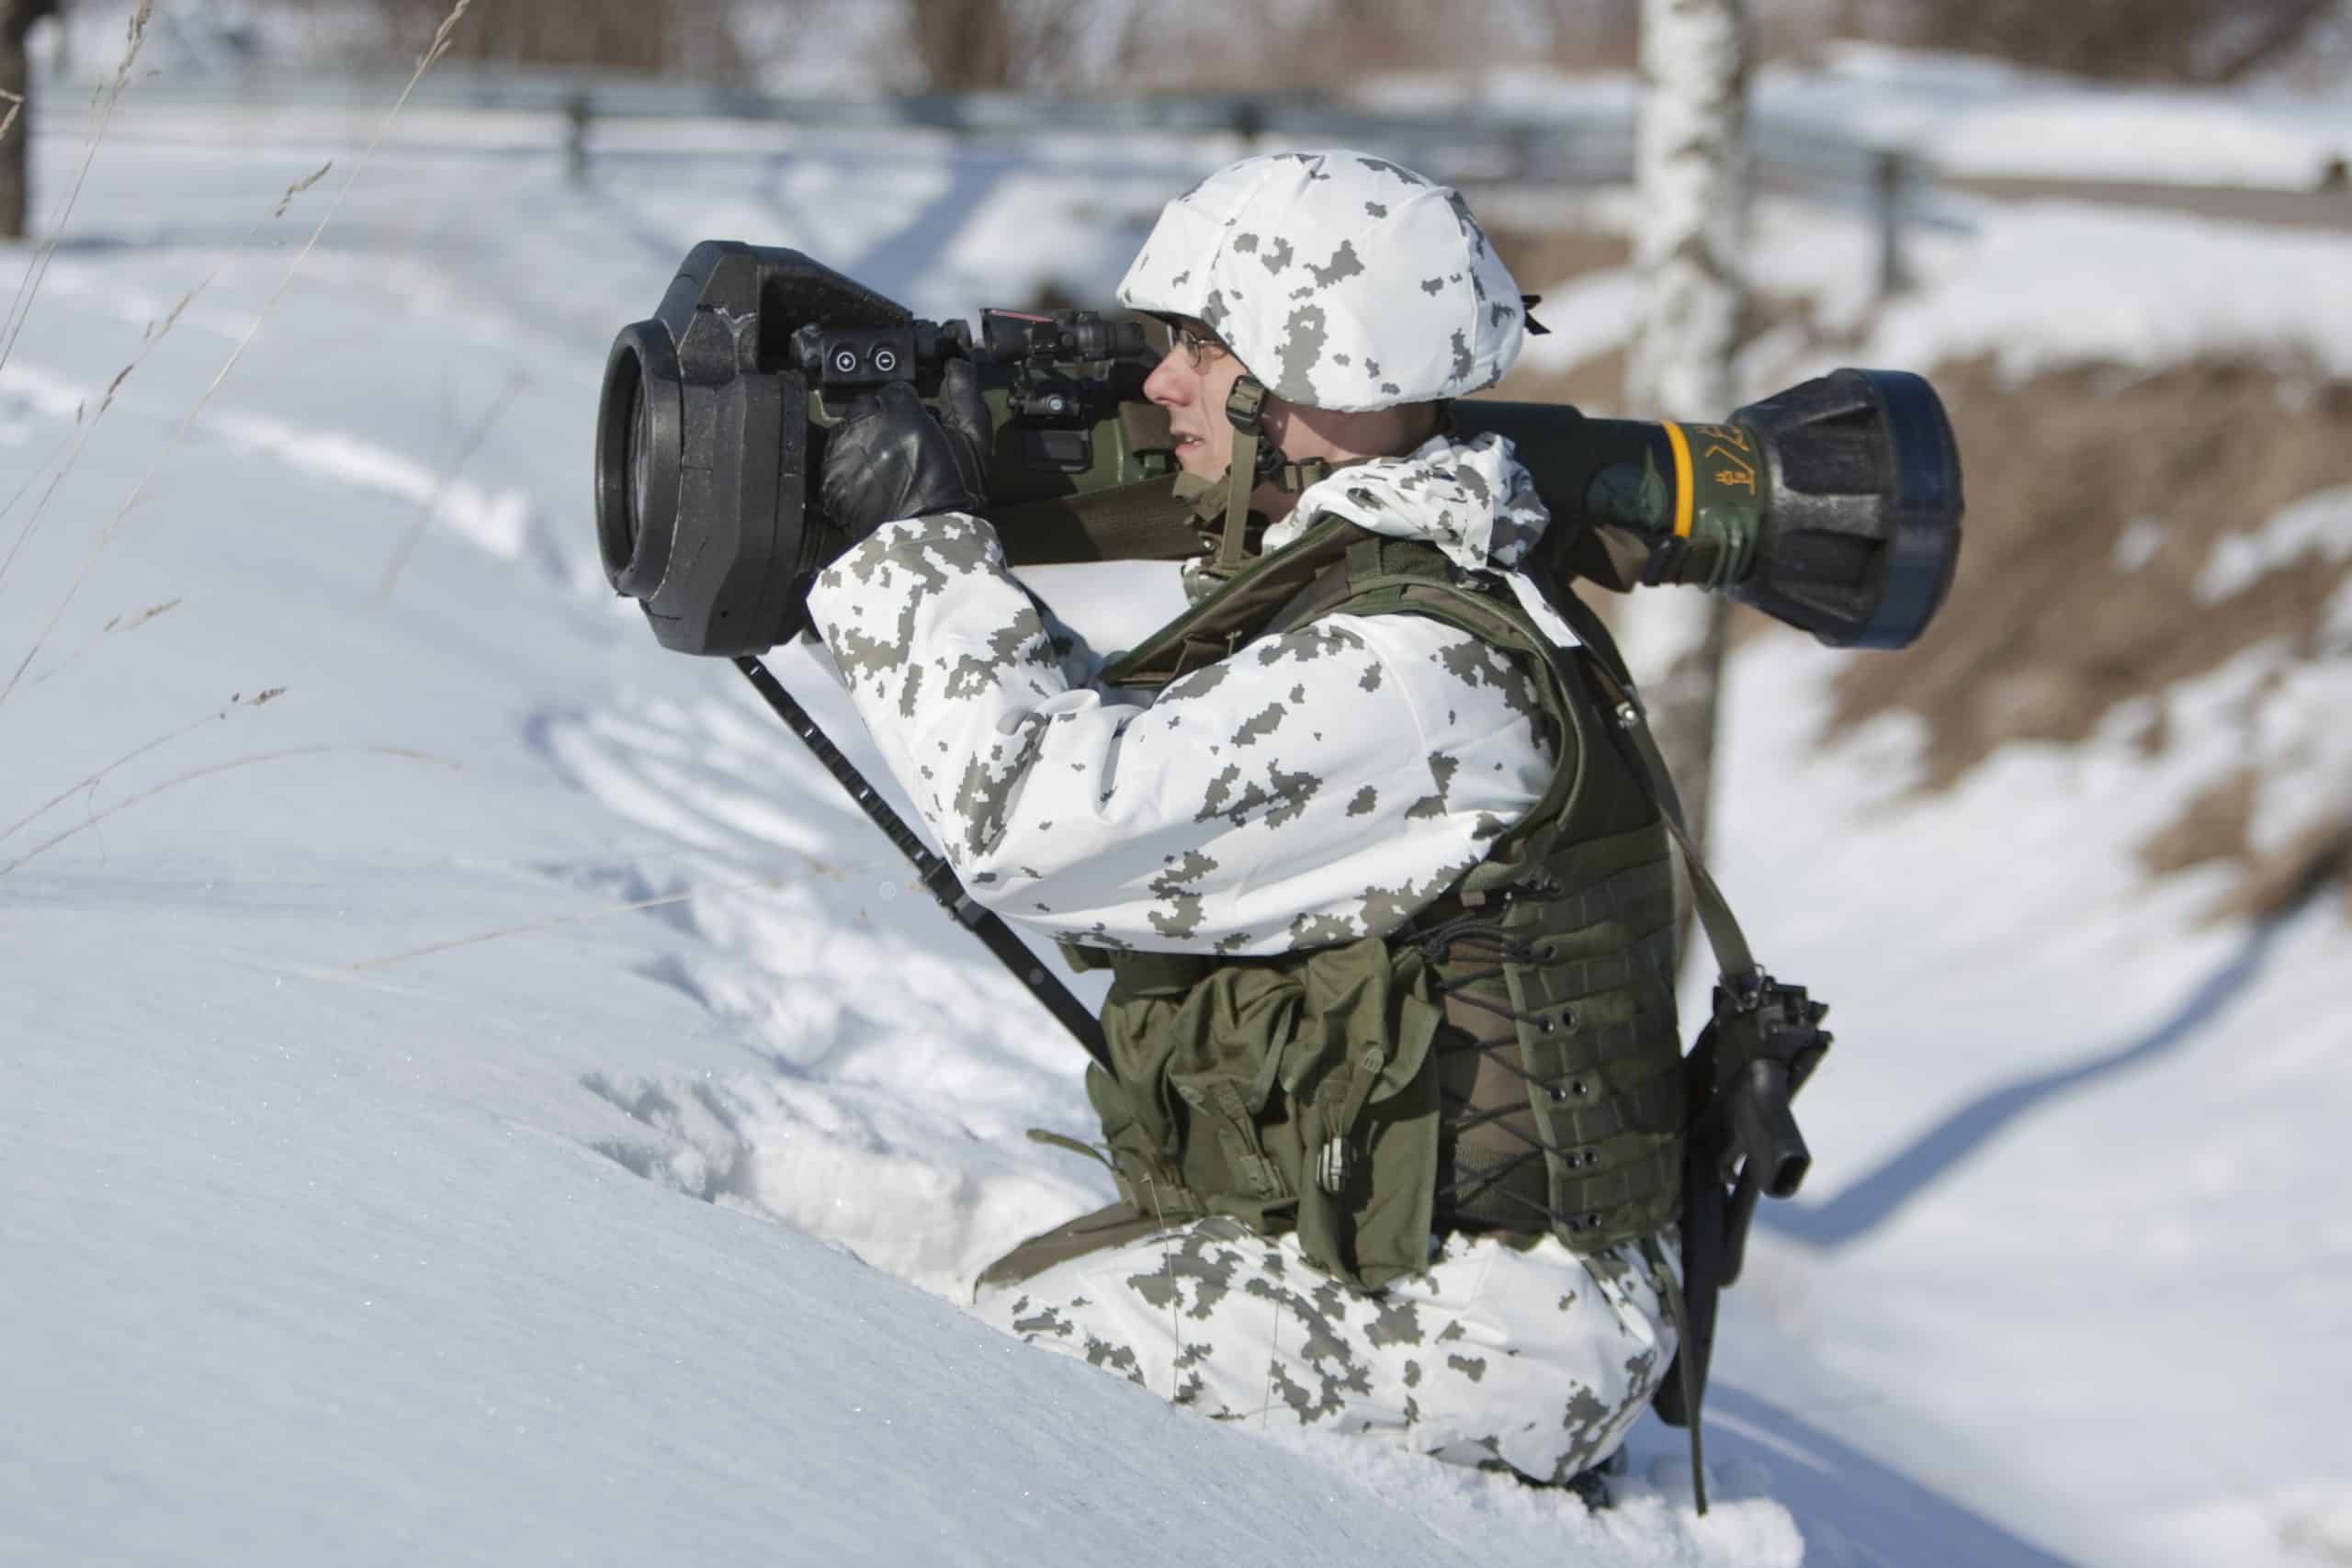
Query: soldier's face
x=1191 y=383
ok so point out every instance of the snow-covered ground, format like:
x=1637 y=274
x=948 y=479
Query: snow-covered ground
x=2034 y=286
x=496 y=1101
x=1966 y=115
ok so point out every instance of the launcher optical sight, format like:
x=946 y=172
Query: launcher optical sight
x=1834 y=506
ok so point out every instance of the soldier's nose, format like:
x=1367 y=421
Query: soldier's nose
x=1165 y=383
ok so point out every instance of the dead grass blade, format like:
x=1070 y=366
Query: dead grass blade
x=68 y=449
x=112 y=626
x=762 y=884
x=94 y=779
x=193 y=775
x=27 y=288
x=432 y=53
x=431 y=507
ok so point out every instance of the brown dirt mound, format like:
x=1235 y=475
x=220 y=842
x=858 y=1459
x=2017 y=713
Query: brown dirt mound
x=2047 y=627
x=2052 y=618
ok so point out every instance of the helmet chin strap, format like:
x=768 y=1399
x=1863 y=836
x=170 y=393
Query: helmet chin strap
x=1256 y=461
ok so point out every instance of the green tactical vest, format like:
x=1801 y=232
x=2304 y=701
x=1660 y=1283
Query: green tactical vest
x=1508 y=1061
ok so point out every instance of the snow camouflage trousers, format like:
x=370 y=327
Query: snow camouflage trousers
x=1528 y=1356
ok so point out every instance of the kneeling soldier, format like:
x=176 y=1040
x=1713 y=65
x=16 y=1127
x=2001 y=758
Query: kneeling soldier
x=1396 y=1119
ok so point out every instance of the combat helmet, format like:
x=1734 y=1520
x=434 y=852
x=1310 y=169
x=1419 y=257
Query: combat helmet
x=1340 y=281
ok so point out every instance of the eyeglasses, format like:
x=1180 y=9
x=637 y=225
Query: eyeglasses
x=1200 y=346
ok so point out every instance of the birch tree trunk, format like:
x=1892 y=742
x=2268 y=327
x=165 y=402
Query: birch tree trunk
x=1690 y=179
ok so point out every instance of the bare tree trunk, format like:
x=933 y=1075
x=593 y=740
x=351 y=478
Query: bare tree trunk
x=965 y=44
x=1692 y=182
x=17 y=18
x=660 y=37
x=1028 y=45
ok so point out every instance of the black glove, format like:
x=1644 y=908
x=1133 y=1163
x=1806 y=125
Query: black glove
x=890 y=459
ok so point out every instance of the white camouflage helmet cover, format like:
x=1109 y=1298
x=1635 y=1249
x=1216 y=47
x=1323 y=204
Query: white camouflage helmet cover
x=1342 y=281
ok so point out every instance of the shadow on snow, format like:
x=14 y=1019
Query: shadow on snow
x=1855 y=1511
x=1877 y=1197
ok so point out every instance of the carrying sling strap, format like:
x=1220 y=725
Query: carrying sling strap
x=1243 y=406
x=1724 y=935
x=1255 y=460
x=1607 y=667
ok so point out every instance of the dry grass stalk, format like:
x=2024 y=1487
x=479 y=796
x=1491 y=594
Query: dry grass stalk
x=765 y=884
x=439 y=46
x=431 y=507
x=143 y=616
x=441 y=35
x=21 y=307
x=94 y=779
x=193 y=775
x=298 y=187
x=69 y=450
x=116 y=624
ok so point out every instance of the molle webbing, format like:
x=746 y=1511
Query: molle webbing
x=1561 y=1069
x=1561 y=1077
x=1616 y=894
x=1650 y=959
x=1546 y=1053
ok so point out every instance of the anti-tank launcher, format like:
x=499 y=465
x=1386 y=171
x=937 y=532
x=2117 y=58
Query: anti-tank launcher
x=712 y=426
x=1834 y=506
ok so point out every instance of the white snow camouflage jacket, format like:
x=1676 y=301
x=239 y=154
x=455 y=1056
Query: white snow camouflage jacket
x=1316 y=786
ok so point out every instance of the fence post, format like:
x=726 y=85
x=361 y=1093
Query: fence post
x=1249 y=122
x=577 y=112
x=1889 y=175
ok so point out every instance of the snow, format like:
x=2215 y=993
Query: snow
x=2034 y=286
x=540 y=1122
x=1966 y=115
x=2076 y=1132
x=1980 y=117
x=1587 y=317
x=2318 y=526
x=499 y=523
x=2055 y=283
x=2138 y=543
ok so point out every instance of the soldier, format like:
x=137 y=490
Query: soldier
x=1396 y=1120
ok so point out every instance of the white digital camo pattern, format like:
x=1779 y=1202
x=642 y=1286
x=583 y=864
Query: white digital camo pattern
x=1341 y=280
x=1532 y=1358
x=1315 y=787
x=1474 y=500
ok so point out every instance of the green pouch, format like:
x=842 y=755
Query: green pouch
x=1290 y=1092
